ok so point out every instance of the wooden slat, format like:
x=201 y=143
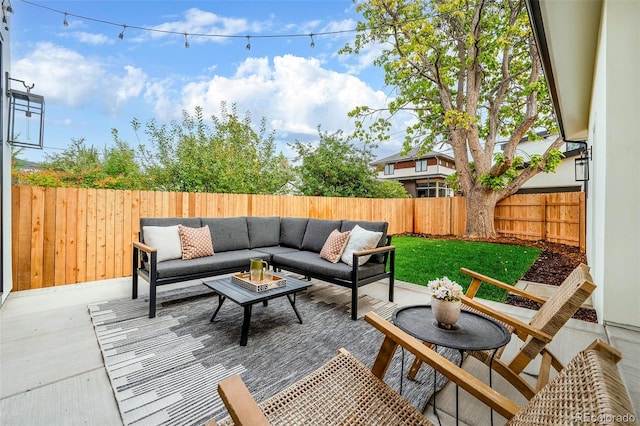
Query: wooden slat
x=49 y=248
x=127 y=234
x=101 y=238
x=81 y=236
x=61 y=237
x=92 y=234
x=37 y=237
x=71 y=251
x=109 y=234
x=15 y=240
x=23 y=275
x=118 y=240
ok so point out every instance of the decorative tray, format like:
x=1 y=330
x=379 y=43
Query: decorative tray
x=269 y=282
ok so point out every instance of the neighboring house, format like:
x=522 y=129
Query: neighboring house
x=421 y=175
x=590 y=52
x=563 y=180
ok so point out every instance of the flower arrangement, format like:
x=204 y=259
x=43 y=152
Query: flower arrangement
x=445 y=289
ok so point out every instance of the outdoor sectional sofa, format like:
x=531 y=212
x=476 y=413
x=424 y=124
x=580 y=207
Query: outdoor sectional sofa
x=290 y=244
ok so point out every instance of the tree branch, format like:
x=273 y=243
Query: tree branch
x=529 y=172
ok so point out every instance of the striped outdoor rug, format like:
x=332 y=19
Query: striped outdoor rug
x=165 y=370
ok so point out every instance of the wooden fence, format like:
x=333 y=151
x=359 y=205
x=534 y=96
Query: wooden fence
x=70 y=235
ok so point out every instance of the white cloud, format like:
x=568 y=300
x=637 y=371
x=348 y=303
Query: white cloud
x=296 y=94
x=67 y=78
x=197 y=21
x=92 y=38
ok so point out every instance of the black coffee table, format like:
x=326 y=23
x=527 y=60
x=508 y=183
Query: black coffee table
x=247 y=298
x=472 y=332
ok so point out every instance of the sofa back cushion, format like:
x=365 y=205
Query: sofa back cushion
x=292 y=231
x=263 y=231
x=166 y=241
x=348 y=225
x=229 y=233
x=317 y=232
x=192 y=222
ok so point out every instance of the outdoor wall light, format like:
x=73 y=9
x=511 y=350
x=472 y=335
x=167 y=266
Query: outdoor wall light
x=582 y=164
x=26 y=116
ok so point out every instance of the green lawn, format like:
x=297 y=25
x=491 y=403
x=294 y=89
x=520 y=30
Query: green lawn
x=419 y=260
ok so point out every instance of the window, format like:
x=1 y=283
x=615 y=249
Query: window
x=421 y=165
x=433 y=189
x=388 y=169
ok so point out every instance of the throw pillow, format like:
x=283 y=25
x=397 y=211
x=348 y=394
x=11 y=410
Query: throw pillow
x=334 y=246
x=196 y=242
x=360 y=239
x=165 y=239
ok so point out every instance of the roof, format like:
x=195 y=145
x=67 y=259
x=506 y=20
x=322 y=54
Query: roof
x=568 y=49
x=411 y=155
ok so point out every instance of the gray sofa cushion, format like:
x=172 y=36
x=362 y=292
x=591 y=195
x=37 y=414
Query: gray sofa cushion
x=292 y=231
x=275 y=249
x=230 y=233
x=317 y=232
x=191 y=222
x=348 y=225
x=263 y=231
x=235 y=260
x=311 y=262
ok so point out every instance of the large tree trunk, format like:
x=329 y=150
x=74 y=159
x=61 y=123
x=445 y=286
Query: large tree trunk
x=481 y=206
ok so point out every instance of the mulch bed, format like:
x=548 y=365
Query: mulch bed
x=553 y=265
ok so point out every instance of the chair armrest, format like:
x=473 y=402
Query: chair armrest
x=244 y=410
x=521 y=327
x=143 y=247
x=479 y=278
x=374 y=251
x=394 y=337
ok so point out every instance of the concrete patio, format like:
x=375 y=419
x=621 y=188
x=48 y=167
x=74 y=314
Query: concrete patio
x=52 y=370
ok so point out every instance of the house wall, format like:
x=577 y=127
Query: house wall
x=613 y=203
x=5 y=224
x=564 y=177
x=410 y=172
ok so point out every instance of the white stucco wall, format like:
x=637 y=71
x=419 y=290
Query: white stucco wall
x=6 y=172
x=563 y=176
x=613 y=203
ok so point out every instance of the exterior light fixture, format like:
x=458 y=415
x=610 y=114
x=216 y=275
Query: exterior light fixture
x=582 y=165
x=26 y=116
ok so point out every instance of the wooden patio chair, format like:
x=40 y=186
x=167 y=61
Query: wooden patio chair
x=540 y=330
x=344 y=391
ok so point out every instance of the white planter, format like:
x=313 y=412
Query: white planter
x=445 y=312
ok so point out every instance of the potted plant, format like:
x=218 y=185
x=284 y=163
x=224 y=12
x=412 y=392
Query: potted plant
x=445 y=301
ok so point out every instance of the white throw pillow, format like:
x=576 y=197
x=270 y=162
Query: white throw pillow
x=360 y=239
x=166 y=239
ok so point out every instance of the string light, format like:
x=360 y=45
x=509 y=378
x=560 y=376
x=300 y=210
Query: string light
x=209 y=35
x=186 y=41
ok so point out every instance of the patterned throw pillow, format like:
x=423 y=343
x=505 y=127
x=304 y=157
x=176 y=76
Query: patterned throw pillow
x=334 y=246
x=196 y=242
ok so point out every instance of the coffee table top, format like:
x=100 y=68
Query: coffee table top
x=472 y=332
x=243 y=296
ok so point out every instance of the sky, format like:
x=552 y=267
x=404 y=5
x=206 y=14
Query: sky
x=94 y=81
